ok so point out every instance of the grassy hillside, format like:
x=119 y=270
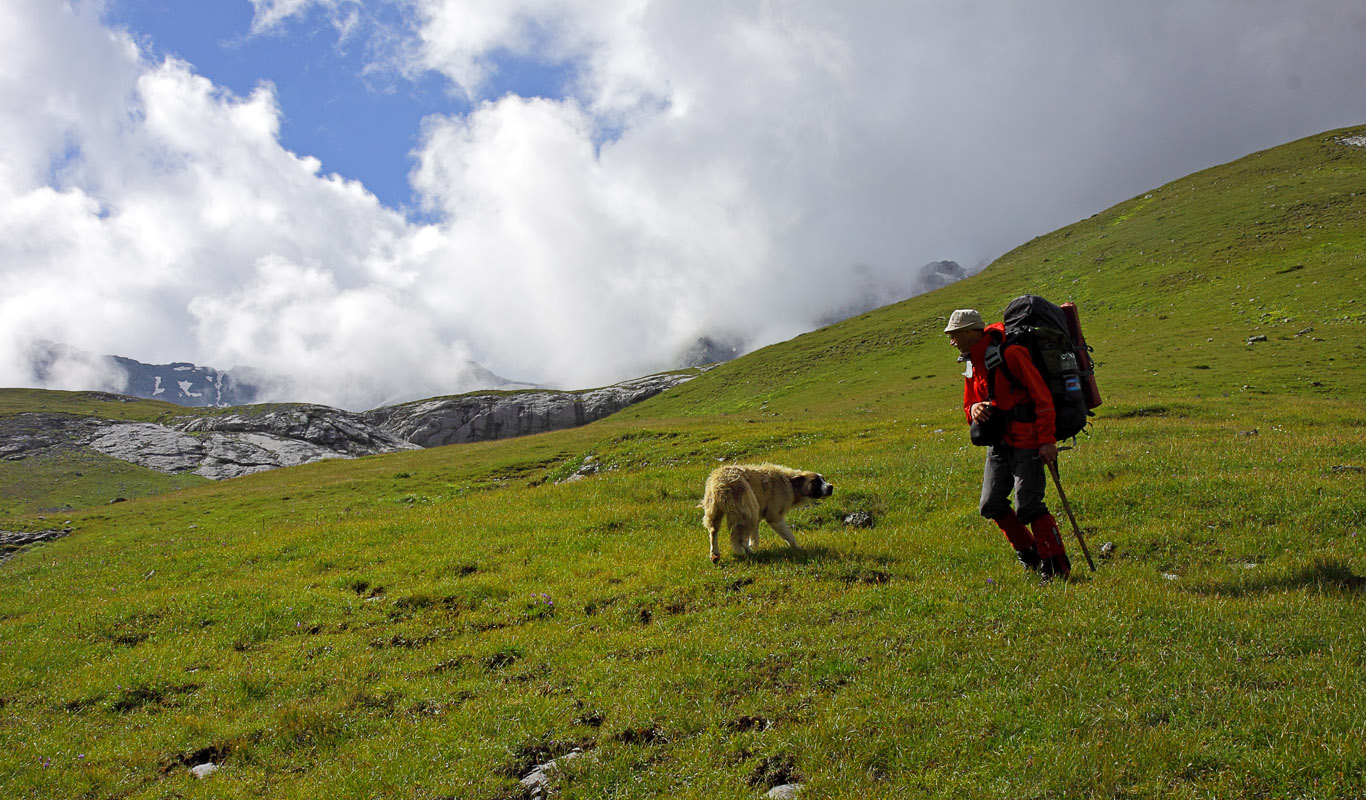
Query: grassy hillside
x=85 y=404
x=434 y=623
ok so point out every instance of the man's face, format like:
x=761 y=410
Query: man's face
x=964 y=339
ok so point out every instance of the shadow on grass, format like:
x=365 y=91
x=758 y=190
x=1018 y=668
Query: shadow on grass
x=825 y=564
x=788 y=555
x=1324 y=575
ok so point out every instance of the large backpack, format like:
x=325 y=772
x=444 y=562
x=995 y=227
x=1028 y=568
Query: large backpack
x=1058 y=352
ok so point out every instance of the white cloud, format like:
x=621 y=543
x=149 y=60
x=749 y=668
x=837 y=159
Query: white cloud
x=121 y=222
x=741 y=169
x=271 y=15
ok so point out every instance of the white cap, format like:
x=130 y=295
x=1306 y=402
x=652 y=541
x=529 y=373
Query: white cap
x=964 y=318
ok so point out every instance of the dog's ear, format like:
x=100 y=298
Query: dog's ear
x=799 y=485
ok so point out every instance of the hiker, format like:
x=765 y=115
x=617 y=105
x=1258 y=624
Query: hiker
x=1017 y=417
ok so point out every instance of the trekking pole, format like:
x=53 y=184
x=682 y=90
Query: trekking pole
x=1068 y=508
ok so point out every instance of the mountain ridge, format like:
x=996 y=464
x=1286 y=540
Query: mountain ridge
x=240 y=440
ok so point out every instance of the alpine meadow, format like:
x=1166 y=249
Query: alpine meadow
x=442 y=623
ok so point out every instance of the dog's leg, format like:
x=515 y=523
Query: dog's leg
x=780 y=525
x=711 y=520
x=741 y=536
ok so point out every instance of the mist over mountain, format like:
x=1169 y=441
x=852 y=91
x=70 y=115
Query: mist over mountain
x=60 y=366
x=871 y=289
x=55 y=365
x=875 y=289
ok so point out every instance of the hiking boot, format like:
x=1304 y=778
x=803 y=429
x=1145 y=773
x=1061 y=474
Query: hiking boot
x=1051 y=551
x=1029 y=559
x=1056 y=565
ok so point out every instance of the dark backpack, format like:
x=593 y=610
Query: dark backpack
x=1041 y=327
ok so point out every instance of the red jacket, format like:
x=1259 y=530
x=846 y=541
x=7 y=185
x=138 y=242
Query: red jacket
x=1027 y=435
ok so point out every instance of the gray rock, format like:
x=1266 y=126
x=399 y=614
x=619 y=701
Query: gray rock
x=340 y=432
x=24 y=435
x=484 y=416
x=149 y=445
x=251 y=440
x=587 y=469
x=785 y=792
x=231 y=455
x=535 y=782
x=859 y=519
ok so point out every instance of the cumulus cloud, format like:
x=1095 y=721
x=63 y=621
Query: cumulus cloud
x=149 y=197
x=740 y=172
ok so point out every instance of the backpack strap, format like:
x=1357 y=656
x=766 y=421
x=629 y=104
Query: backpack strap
x=994 y=359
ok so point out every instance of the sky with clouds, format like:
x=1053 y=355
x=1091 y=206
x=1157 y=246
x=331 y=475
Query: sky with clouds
x=367 y=196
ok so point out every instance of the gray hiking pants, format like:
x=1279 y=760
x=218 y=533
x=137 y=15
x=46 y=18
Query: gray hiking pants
x=1012 y=469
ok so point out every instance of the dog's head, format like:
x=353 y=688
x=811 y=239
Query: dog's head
x=811 y=485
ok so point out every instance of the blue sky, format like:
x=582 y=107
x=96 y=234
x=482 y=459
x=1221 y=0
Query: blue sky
x=343 y=102
x=358 y=199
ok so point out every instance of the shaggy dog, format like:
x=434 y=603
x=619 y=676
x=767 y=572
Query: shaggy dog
x=747 y=493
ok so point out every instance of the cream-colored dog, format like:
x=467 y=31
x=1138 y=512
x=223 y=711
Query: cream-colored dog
x=746 y=493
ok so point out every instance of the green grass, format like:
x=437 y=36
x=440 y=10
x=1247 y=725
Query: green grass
x=433 y=623
x=86 y=404
x=60 y=481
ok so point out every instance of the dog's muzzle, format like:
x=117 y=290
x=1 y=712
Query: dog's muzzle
x=824 y=489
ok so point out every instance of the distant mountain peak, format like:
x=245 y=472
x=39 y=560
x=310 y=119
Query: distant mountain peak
x=55 y=365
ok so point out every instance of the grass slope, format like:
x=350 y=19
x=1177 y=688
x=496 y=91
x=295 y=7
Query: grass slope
x=86 y=404
x=434 y=623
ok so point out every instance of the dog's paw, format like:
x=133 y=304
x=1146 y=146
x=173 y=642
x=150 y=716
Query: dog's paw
x=715 y=558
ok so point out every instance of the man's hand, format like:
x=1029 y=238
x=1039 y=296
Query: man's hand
x=1048 y=452
x=980 y=411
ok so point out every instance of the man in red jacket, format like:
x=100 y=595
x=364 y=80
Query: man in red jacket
x=1017 y=462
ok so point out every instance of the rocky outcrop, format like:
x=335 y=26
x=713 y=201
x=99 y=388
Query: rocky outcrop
x=25 y=435
x=250 y=439
x=341 y=432
x=709 y=350
x=12 y=542
x=215 y=447
x=153 y=446
x=224 y=455
x=483 y=416
x=938 y=274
